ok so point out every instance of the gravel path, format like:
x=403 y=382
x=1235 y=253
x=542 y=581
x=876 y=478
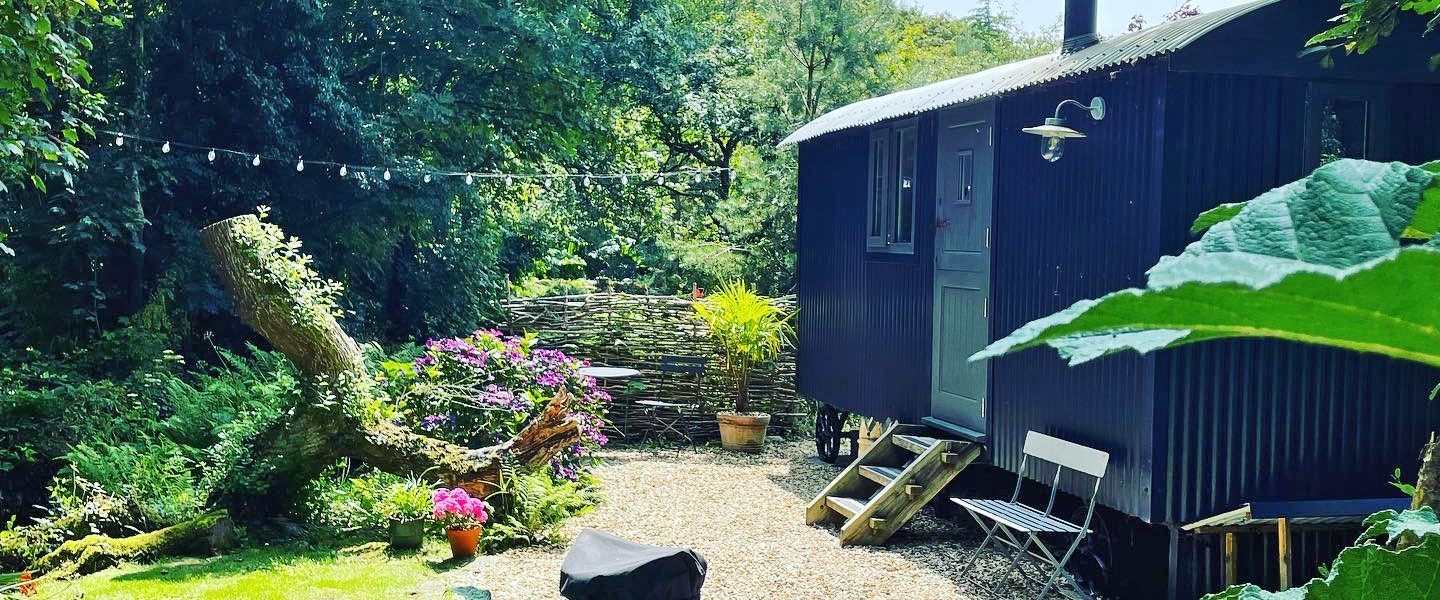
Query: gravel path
x=745 y=513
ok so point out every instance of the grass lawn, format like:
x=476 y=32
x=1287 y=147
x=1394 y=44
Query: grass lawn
x=285 y=571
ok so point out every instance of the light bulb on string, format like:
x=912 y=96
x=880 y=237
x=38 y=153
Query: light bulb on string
x=165 y=148
x=469 y=179
x=300 y=164
x=210 y=156
x=344 y=170
x=509 y=180
x=660 y=180
x=255 y=162
x=547 y=183
x=624 y=180
x=386 y=175
x=119 y=140
x=698 y=178
x=427 y=178
x=587 y=181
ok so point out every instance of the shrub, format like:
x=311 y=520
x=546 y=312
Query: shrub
x=483 y=389
x=341 y=502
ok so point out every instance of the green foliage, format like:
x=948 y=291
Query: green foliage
x=1317 y=261
x=46 y=103
x=277 y=260
x=155 y=476
x=1373 y=568
x=530 y=508
x=340 y=501
x=406 y=500
x=1364 y=23
x=749 y=329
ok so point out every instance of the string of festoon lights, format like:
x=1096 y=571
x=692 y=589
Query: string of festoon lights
x=424 y=173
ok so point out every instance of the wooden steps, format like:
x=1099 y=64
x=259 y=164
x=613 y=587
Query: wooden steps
x=880 y=492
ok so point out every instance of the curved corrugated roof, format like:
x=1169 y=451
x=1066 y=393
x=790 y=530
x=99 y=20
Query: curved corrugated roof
x=1155 y=41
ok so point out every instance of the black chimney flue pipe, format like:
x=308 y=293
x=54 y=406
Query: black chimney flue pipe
x=1080 y=24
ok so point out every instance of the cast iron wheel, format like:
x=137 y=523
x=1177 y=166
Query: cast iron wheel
x=828 y=423
x=1093 y=563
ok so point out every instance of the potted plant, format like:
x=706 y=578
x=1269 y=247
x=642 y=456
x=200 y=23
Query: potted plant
x=749 y=328
x=405 y=505
x=461 y=516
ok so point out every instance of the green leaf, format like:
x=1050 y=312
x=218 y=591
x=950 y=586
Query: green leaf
x=1219 y=214
x=1317 y=261
x=1427 y=215
x=1388 y=525
x=1364 y=572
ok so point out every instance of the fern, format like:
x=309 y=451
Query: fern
x=531 y=508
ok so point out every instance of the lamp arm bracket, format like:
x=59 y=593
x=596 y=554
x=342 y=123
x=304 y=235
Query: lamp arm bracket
x=1096 y=108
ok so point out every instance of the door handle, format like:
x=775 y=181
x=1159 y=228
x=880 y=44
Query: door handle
x=942 y=223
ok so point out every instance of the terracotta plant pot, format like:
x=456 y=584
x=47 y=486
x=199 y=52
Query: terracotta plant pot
x=744 y=432
x=463 y=542
x=407 y=535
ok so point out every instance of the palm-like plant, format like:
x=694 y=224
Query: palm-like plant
x=749 y=328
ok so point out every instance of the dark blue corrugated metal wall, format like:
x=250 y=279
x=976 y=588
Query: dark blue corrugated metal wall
x=831 y=238
x=1254 y=420
x=1078 y=228
x=864 y=322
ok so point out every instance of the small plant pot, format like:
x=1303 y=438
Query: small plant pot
x=463 y=542
x=407 y=535
x=743 y=431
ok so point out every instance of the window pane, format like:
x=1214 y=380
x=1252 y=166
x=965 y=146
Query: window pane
x=904 y=228
x=877 y=187
x=1343 y=125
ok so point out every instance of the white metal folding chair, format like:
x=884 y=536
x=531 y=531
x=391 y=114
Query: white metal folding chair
x=1019 y=526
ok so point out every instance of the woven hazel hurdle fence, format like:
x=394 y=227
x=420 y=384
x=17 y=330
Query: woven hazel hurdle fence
x=635 y=331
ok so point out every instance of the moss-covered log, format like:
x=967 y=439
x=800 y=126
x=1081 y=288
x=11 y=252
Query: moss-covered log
x=201 y=536
x=276 y=293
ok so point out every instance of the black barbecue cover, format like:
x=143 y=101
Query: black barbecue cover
x=601 y=566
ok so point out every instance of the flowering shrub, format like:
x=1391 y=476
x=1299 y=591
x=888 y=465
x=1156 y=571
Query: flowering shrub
x=483 y=389
x=455 y=509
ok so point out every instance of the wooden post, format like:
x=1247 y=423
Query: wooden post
x=1283 y=545
x=1231 y=578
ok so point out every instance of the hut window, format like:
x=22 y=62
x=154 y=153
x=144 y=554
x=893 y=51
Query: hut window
x=890 y=220
x=1345 y=121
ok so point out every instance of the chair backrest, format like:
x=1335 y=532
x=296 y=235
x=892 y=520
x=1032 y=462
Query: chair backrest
x=682 y=364
x=1066 y=454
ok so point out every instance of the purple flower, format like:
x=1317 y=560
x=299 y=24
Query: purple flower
x=550 y=379
x=433 y=422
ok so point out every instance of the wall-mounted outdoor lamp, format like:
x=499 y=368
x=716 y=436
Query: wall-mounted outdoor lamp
x=1053 y=132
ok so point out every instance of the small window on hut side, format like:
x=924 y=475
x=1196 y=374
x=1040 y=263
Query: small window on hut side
x=1344 y=121
x=890 y=222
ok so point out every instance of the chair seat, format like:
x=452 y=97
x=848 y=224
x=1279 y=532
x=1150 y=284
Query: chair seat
x=1016 y=516
x=659 y=404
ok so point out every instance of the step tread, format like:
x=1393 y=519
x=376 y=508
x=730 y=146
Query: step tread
x=881 y=475
x=845 y=506
x=915 y=443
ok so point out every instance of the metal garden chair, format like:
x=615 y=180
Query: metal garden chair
x=1019 y=526
x=668 y=415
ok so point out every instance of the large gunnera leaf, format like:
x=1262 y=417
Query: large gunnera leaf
x=1319 y=260
x=1370 y=570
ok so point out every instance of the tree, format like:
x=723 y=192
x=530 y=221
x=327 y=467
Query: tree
x=46 y=103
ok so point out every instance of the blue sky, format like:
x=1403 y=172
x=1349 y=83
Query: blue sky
x=1040 y=14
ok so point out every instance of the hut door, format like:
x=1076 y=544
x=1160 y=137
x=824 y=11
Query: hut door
x=962 y=267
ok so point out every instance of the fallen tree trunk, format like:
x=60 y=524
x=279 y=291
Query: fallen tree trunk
x=319 y=432
x=202 y=536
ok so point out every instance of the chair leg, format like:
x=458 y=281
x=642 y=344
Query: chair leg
x=1014 y=561
x=1060 y=565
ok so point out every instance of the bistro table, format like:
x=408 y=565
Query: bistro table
x=607 y=375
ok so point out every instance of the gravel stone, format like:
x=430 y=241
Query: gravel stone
x=746 y=514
